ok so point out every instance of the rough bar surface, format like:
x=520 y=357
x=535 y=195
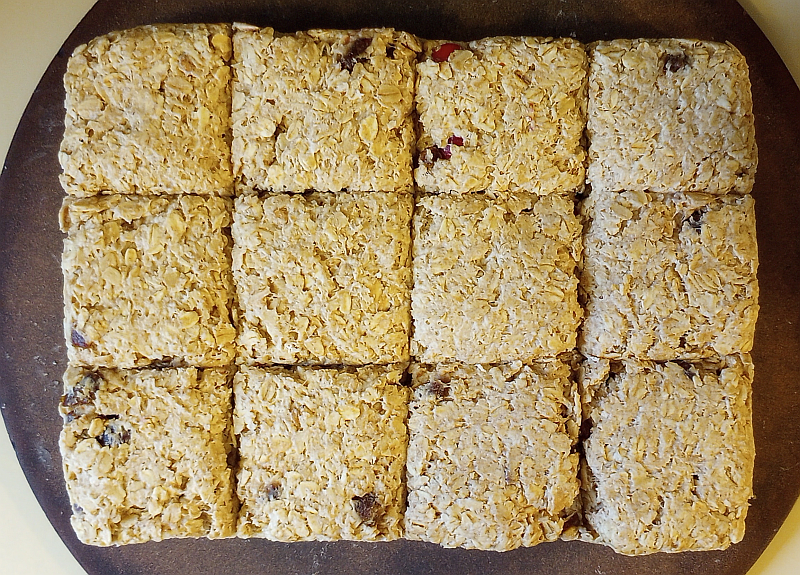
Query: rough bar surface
x=670 y=116
x=669 y=277
x=669 y=459
x=490 y=456
x=148 y=112
x=326 y=110
x=494 y=279
x=323 y=278
x=145 y=454
x=147 y=280
x=322 y=452
x=507 y=113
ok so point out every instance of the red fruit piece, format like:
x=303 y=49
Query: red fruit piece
x=455 y=140
x=442 y=53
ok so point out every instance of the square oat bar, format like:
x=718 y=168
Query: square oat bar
x=669 y=455
x=668 y=277
x=323 y=278
x=501 y=114
x=494 y=279
x=670 y=116
x=322 y=452
x=327 y=110
x=491 y=461
x=148 y=112
x=145 y=454
x=147 y=281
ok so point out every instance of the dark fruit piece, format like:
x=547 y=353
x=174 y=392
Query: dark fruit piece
x=357 y=47
x=78 y=340
x=273 y=491
x=674 y=62
x=79 y=397
x=114 y=434
x=439 y=388
x=366 y=506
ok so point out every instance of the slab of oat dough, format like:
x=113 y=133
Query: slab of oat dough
x=147 y=280
x=323 y=278
x=322 y=452
x=669 y=458
x=494 y=279
x=669 y=277
x=145 y=454
x=148 y=112
x=501 y=114
x=490 y=457
x=670 y=115
x=326 y=110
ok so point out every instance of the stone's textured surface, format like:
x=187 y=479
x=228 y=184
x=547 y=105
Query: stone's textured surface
x=145 y=454
x=509 y=114
x=148 y=112
x=323 y=278
x=491 y=459
x=326 y=110
x=147 y=280
x=669 y=458
x=670 y=116
x=494 y=279
x=322 y=452
x=669 y=277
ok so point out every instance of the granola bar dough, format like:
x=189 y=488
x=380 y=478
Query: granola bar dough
x=147 y=280
x=148 y=112
x=501 y=114
x=491 y=460
x=322 y=452
x=494 y=278
x=145 y=454
x=325 y=109
x=323 y=278
x=670 y=115
x=669 y=456
x=669 y=277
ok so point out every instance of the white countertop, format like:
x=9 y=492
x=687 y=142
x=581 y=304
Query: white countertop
x=31 y=32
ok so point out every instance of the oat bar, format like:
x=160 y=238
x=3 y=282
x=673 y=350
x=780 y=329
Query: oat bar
x=501 y=114
x=669 y=455
x=323 y=278
x=325 y=109
x=322 y=452
x=491 y=461
x=145 y=454
x=494 y=279
x=147 y=280
x=148 y=112
x=669 y=277
x=670 y=115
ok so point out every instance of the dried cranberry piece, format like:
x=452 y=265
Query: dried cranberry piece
x=432 y=154
x=455 y=140
x=366 y=506
x=443 y=52
x=357 y=47
x=78 y=340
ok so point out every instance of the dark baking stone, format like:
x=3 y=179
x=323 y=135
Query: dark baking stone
x=33 y=357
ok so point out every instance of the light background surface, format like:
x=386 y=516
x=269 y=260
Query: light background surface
x=31 y=32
